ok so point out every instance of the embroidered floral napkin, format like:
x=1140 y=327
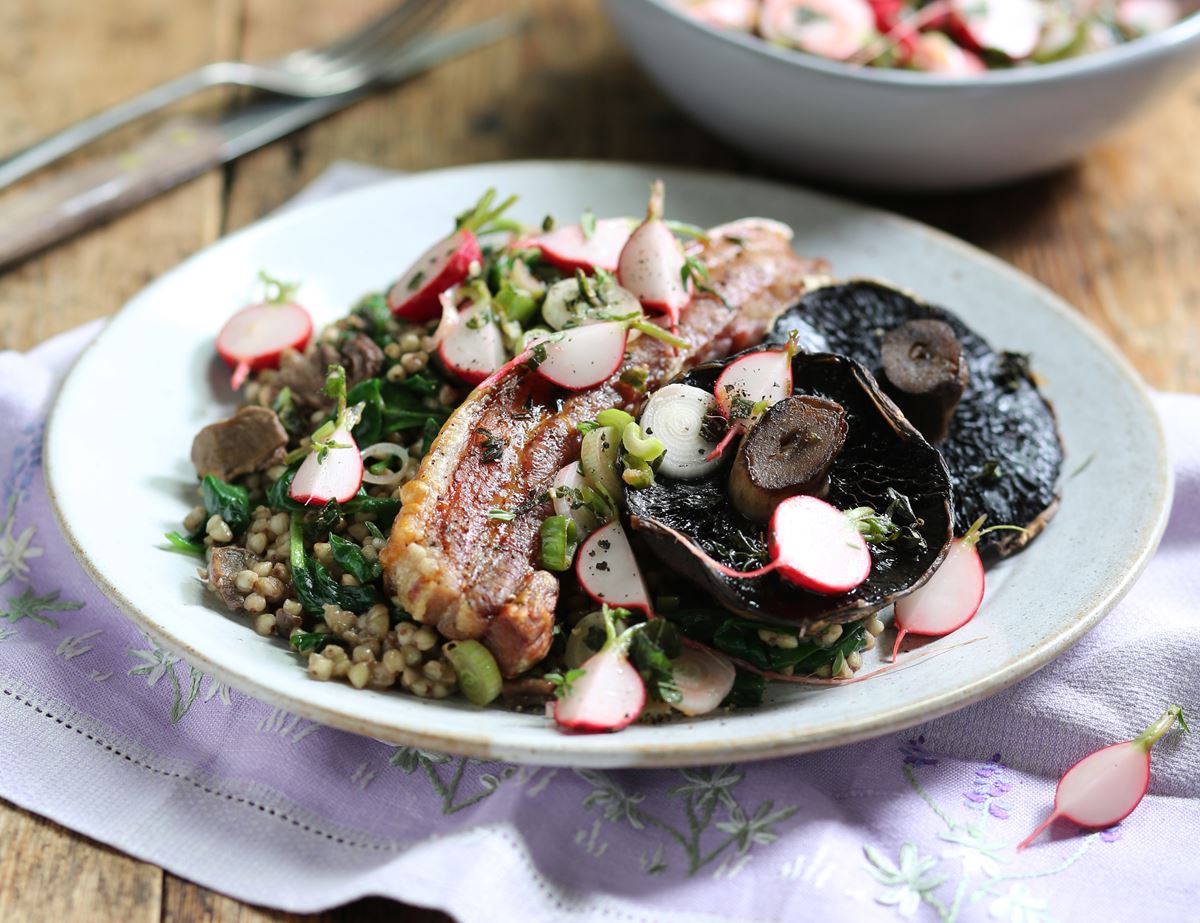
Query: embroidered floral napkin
x=109 y=735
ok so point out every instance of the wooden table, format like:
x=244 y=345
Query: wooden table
x=1118 y=236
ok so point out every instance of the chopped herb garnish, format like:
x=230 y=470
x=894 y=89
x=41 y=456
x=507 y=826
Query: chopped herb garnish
x=186 y=545
x=588 y=224
x=564 y=683
x=491 y=447
x=502 y=515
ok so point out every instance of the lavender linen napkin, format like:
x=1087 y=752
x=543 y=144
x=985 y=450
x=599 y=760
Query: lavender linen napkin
x=129 y=744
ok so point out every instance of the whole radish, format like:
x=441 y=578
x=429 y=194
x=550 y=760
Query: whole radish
x=606 y=693
x=653 y=265
x=333 y=468
x=951 y=597
x=256 y=336
x=1103 y=788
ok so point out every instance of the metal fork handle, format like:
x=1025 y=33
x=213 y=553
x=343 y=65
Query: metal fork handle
x=69 y=140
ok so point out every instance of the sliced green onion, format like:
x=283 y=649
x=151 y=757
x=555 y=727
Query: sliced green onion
x=637 y=473
x=558 y=542
x=517 y=305
x=599 y=453
x=641 y=446
x=614 y=417
x=478 y=674
x=179 y=543
x=652 y=329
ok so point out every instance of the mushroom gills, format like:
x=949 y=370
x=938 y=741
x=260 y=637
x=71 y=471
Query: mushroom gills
x=925 y=373
x=788 y=452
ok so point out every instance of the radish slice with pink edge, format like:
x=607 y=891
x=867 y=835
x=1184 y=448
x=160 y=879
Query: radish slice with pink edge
x=568 y=480
x=740 y=15
x=1142 y=17
x=608 y=570
x=583 y=357
x=830 y=28
x=256 y=336
x=936 y=53
x=652 y=262
x=1103 y=788
x=441 y=267
x=815 y=546
x=703 y=678
x=759 y=378
x=474 y=347
x=337 y=476
x=1011 y=27
x=608 y=696
x=947 y=600
x=569 y=248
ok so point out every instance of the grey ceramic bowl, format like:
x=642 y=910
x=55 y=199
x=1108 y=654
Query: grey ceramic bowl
x=898 y=129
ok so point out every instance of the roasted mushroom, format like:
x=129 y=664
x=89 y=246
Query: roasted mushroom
x=1001 y=445
x=694 y=527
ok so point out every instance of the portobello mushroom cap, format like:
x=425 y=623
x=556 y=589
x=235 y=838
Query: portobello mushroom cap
x=1002 y=446
x=697 y=531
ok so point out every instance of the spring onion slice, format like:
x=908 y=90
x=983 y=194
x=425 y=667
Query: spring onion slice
x=640 y=446
x=385 y=450
x=558 y=542
x=478 y=674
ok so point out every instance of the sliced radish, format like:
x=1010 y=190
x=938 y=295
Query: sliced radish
x=815 y=546
x=756 y=380
x=1010 y=27
x=1142 y=17
x=256 y=336
x=565 y=306
x=443 y=266
x=936 y=53
x=949 y=599
x=703 y=678
x=609 y=572
x=608 y=696
x=337 y=476
x=763 y=376
x=566 y=483
x=676 y=414
x=583 y=357
x=740 y=15
x=652 y=262
x=831 y=28
x=474 y=347
x=569 y=248
x=1103 y=788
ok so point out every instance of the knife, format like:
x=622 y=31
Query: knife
x=187 y=146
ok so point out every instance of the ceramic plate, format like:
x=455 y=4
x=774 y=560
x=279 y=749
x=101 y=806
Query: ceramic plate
x=119 y=435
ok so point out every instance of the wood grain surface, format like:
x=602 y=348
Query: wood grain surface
x=1118 y=236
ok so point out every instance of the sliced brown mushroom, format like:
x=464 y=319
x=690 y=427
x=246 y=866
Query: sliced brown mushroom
x=925 y=374
x=787 y=452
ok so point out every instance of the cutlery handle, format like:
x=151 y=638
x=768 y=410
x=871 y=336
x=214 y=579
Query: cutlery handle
x=71 y=139
x=93 y=192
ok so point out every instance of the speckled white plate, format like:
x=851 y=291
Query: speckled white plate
x=137 y=396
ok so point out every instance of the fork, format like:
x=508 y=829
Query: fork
x=348 y=64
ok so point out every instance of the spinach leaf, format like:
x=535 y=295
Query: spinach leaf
x=651 y=650
x=186 y=545
x=316 y=588
x=383 y=509
x=349 y=557
x=370 y=427
x=747 y=692
x=229 y=501
x=307 y=641
x=422 y=383
x=277 y=493
x=375 y=311
x=402 y=418
x=429 y=434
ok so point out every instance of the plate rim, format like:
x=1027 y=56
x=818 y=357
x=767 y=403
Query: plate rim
x=558 y=750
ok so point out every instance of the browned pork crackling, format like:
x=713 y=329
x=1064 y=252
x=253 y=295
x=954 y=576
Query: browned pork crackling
x=448 y=564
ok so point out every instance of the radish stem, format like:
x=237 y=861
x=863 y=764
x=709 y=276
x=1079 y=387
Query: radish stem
x=1149 y=737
